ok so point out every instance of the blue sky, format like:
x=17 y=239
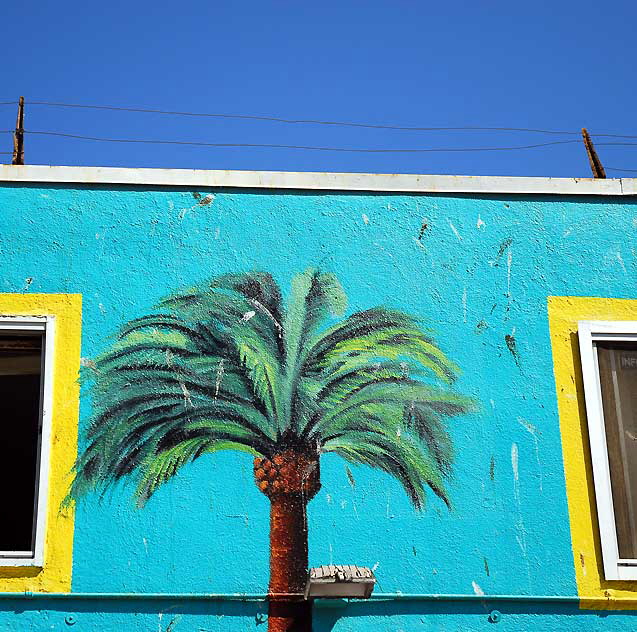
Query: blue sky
x=559 y=65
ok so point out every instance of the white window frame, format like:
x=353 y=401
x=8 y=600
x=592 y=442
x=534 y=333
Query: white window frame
x=590 y=332
x=45 y=325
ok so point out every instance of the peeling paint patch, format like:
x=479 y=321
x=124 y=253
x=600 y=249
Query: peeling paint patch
x=476 y=589
x=513 y=347
x=486 y=567
x=423 y=229
x=203 y=200
x=365 y=219
x=27 y=284
x=480 y=223
x=481 y=326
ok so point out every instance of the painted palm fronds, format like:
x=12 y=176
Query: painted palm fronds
x=230 y=365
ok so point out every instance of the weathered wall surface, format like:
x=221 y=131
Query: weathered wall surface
x=477 y=269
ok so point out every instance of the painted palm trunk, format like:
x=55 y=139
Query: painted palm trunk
x=230 y=365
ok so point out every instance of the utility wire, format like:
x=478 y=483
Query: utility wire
x=618 y=169
x=296 y=121
x=310 y=121
x=621 y=144
x=314 y=148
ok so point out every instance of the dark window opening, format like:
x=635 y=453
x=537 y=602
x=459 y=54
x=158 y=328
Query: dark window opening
x=20 y=422
x=618 y=381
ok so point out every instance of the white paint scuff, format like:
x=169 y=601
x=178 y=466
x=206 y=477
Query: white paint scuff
x=533 y=431
x=509 y=261
x=480 y=223
x=516 y=473
x=455 y=231
x=464 y=304
x=476 y=589
x=220 y=372
x=620 y=260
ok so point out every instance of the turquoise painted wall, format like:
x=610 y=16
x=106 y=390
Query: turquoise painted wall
x=477 y=268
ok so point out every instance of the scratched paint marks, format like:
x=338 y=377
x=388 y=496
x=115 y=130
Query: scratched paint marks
x=505 y=252
x=504 y=245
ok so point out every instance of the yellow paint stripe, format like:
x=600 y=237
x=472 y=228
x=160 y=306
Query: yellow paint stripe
x=55 y=575
x=564 y=312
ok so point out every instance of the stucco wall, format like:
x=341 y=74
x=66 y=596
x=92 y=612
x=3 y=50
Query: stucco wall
x=477 y=269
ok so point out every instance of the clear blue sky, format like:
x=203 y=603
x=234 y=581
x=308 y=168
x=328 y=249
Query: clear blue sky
x=556 y=65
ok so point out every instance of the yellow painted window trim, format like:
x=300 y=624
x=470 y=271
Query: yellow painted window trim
x=54 y=575
x=564 y=313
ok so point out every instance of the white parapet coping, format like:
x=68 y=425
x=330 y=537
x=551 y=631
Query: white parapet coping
x=395 y=183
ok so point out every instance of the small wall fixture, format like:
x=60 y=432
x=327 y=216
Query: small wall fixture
x=339 y=582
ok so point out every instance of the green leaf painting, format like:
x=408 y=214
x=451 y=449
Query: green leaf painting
x=230 y=365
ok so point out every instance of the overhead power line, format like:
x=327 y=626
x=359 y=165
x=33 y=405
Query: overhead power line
x=618 y=169
x=620 y=144
x=307 y=147
x=278 y=119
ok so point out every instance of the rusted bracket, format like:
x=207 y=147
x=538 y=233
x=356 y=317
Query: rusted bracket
x=596 y=164
x=18 y=136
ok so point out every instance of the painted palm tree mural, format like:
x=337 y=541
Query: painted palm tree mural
x=230 y=365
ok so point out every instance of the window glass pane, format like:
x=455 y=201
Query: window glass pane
x=20 y=392
x=618 y=380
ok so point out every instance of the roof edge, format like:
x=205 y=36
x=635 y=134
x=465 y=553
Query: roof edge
x=407 y=183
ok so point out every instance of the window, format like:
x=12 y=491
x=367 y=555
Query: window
x=26 y=348
x=49 y=325
x=608 y=351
